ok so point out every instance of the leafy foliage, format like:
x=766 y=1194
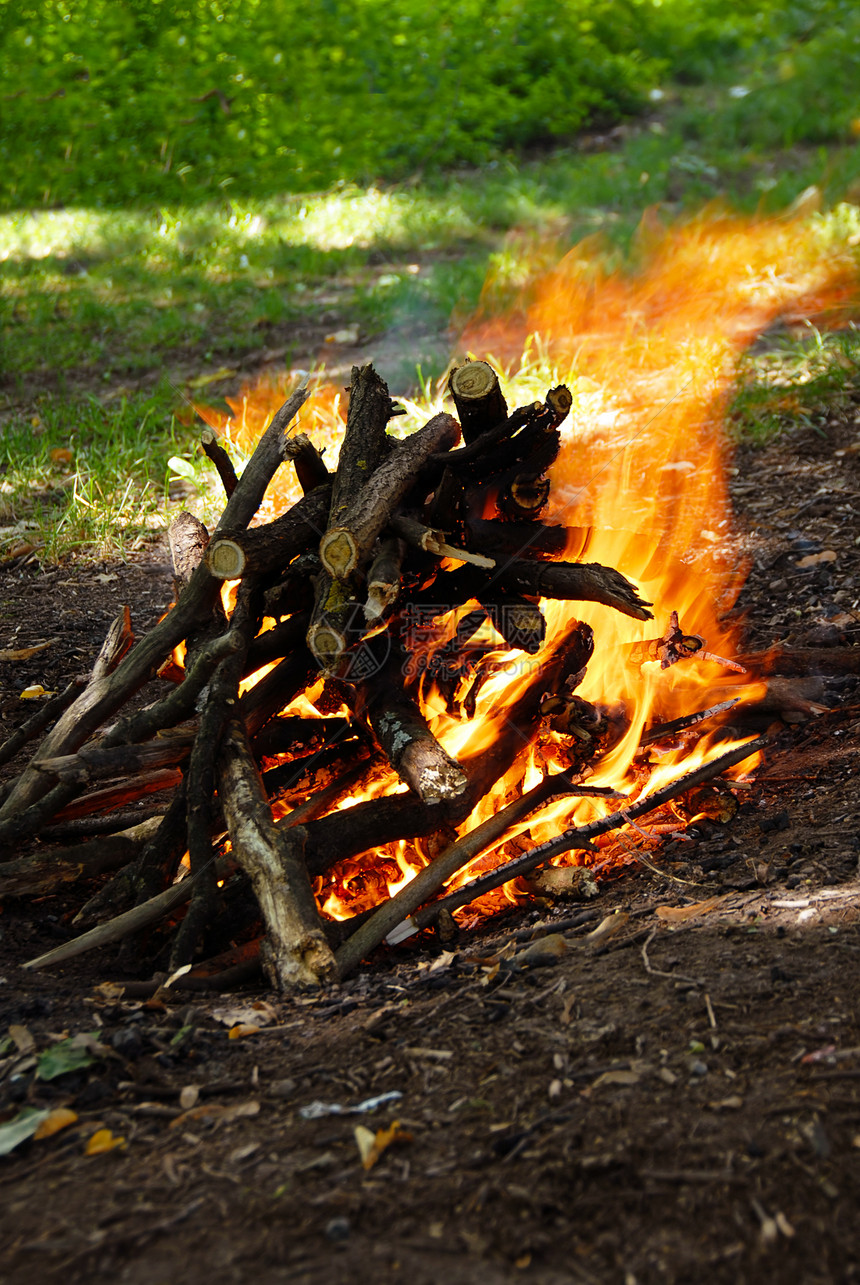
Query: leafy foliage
x=137 y=100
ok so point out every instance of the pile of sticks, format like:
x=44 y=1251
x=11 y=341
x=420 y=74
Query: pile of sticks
x=400 y=534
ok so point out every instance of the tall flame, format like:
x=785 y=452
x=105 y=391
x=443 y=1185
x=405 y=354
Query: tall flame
x=650 y=355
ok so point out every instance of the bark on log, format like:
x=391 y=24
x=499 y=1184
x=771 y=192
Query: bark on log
x=352 y=533
x=188 y=538
x=298 y=953
x=478 y=397
x=107 y=692
x=93 y=763
x=364 y=442
x=273 y=546
x=526 y=539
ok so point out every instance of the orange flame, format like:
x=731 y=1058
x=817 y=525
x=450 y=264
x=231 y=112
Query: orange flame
x=650 y=356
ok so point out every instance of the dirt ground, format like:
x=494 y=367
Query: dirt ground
x=678 y=1101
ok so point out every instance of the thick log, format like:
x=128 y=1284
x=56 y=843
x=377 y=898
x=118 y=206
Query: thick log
x=447 y=509
x=575 y=582
x=804 y=661
x=337 y=623
x=298 y=953
x=93 y=763
x=213 y=449
x=512 y=441
x=293 y=734
x=277 y=643
x=275 y=691
x=519 y=621
x=523 y=497
x=315 y=770
x=45 y=872
x=352 y=533
x=273 y=546
x=526 y=539
x=107 y=692
x=188 y=538
x=120 y=794
x=478 y=397
x=221 y=697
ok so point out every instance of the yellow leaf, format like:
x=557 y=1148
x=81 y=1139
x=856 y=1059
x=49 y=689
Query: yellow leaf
x=62 y=455
x=57 y=1120
x=103 y=1140
x=371 y=1145
x=24 y=653
x=200 y=381
x=242 y=1030
x=33 y=693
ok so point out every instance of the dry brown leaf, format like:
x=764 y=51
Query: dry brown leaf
x=25 y=653
x=677 y=914
x=217 y=1113
x=607 y=928
x=57 y=1120
x=22 y=1039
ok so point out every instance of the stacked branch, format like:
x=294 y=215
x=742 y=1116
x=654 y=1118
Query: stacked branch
x=361 y=575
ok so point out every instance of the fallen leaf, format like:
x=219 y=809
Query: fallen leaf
x=371 y=1145
x=257 y=1014
x=217 y=1113
x=59 y=1119
x=242 y=1030
x=24 y=653
x=547 y=950
x=104 y=1140
x=815 y=559
x=677 y=914
x=617 y=1077
x=110 y=992
x=200 y=381
x=106 y=577
x=607 y=928
x=61 y=455
x=34 y=693
x=24 y=1126
x=70 y=1055
x=22 y=1039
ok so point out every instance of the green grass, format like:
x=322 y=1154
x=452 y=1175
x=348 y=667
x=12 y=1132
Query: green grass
x=144 y=269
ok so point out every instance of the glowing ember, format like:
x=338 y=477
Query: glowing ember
x=649 y=357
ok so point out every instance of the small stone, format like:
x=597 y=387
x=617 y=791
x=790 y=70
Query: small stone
x=698 y=1068
x=337 y=1230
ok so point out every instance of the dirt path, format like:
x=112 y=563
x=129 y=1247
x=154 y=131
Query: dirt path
x=677 y=1101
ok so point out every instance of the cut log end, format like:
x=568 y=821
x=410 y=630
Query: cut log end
x=478 y=397
x=339 y=552
x=474 y=381
x=327 y=646
x=226 y=559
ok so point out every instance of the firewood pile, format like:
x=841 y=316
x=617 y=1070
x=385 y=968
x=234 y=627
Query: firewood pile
x=377 y=588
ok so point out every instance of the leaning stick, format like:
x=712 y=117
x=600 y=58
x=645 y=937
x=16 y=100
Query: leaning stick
x=130 y=921
x=107 y=693
x=219 y=457
x=432 y=877
x=574 y=838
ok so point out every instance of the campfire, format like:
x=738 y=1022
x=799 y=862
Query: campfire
x=463 y=654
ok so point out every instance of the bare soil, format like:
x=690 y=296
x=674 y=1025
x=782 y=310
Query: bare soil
x=677 y=1102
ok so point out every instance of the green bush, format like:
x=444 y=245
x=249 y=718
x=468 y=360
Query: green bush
x=117 y=101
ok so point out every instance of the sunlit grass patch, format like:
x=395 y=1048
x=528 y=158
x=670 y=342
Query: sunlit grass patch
x=89 y=478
